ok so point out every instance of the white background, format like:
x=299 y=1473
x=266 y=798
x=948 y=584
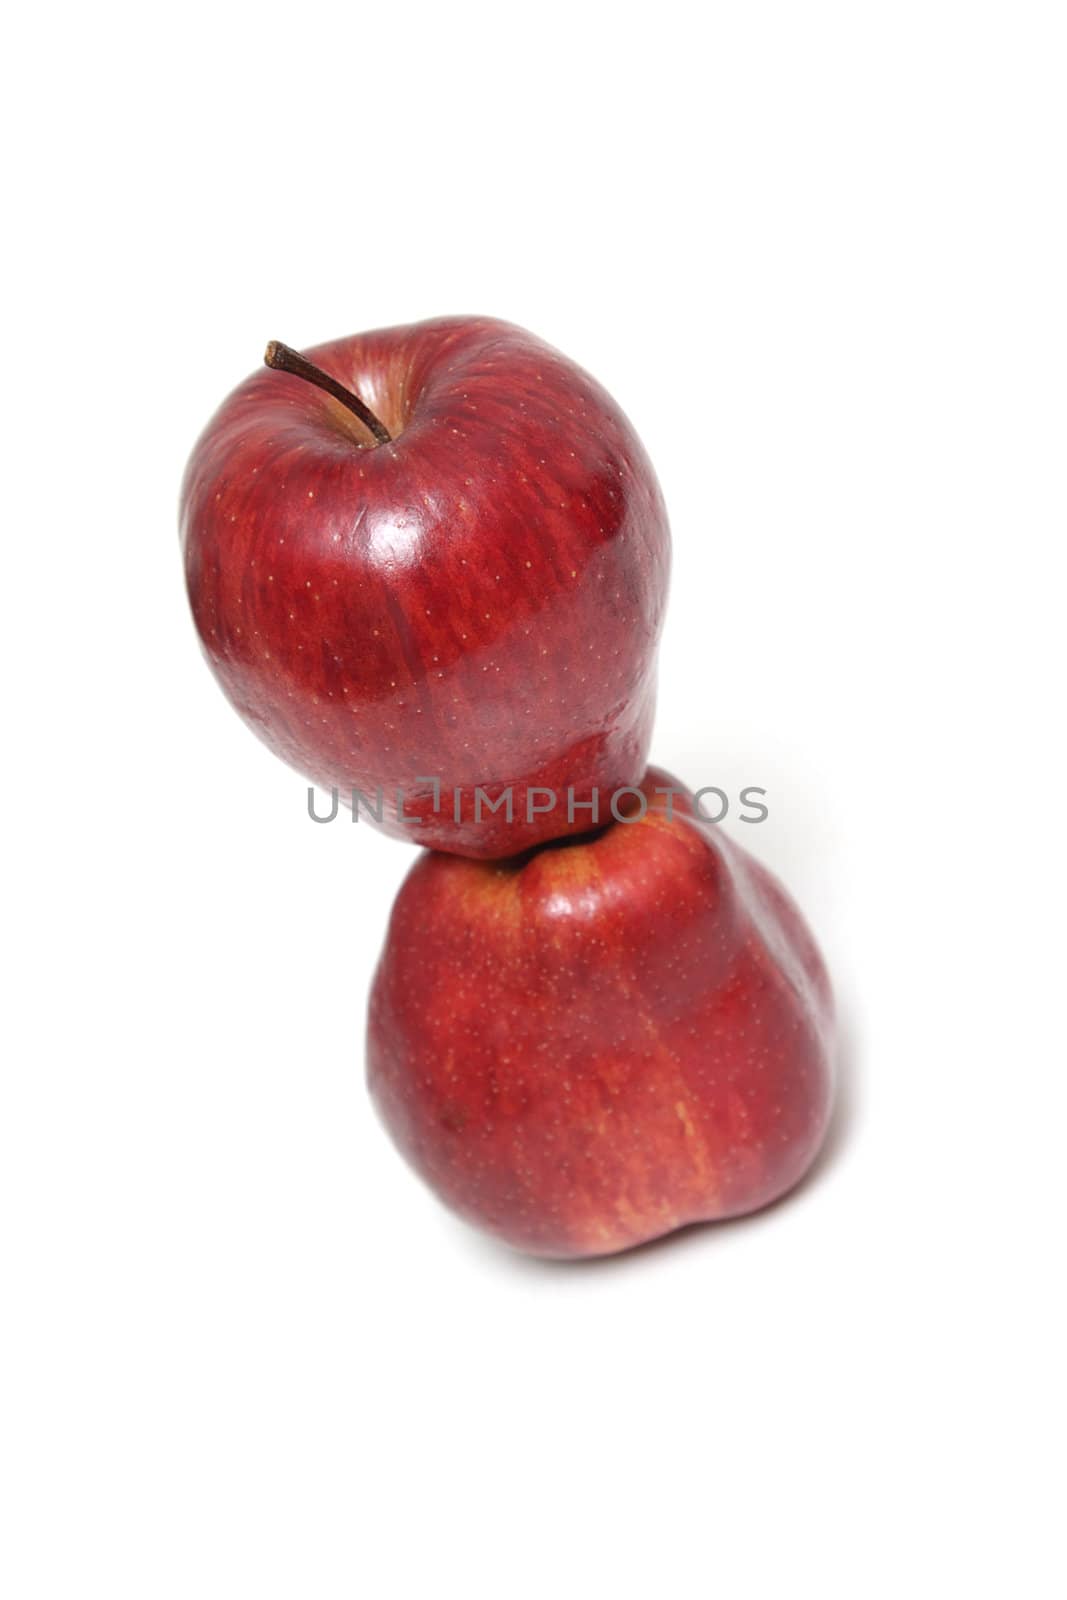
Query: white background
x=818 y=254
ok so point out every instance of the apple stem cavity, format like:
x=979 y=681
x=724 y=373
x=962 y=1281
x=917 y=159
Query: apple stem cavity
x=282 y=358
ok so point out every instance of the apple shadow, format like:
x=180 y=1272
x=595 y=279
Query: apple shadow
x=844 y=1119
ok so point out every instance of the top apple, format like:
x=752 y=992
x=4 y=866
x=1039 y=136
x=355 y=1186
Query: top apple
x=474 y=603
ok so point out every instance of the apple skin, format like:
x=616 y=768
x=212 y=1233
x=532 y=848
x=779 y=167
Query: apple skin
x=478 y=602
x=606 y=1039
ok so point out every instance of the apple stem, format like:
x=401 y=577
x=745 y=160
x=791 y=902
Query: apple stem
x=282 y=358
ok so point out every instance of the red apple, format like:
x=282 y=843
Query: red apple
x=605 y=1039
x=474 y=603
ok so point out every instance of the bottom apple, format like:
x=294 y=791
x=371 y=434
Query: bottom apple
x=602 y=1040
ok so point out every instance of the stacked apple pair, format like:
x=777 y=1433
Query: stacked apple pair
x=429 y=567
